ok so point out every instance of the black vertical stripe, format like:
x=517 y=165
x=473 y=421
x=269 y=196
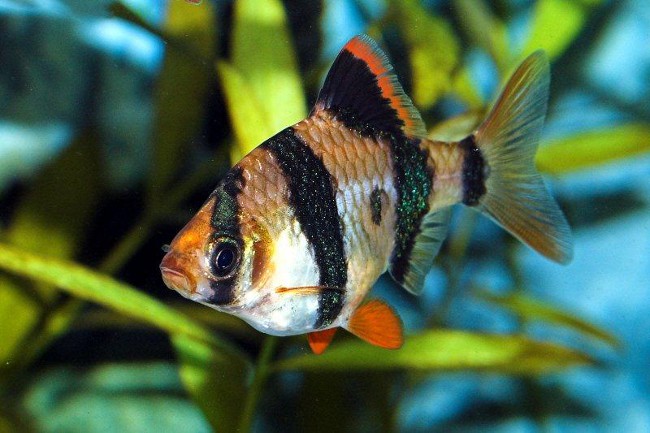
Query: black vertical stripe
x=413 y=182
x=225 y=214
x=313 y=199
x=225 y=223
x=473 y=172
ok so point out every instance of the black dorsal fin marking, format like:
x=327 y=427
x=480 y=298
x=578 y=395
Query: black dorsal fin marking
x=362 y=89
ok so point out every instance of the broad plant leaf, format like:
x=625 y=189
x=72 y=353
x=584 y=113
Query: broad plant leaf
x=92 y=286
x=263 y=54
x=217 y=383
x=465 y=89
x=182 y=87
x=51 y=219
x=456 y=128
x=433 y=50
x=250 y=124
x=125 y=398
x=532 y=309
x=555 y=24
x=445 y=350
x=592 y=148
x=485 y=30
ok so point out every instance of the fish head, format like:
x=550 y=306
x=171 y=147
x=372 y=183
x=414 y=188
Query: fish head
x=219 y=258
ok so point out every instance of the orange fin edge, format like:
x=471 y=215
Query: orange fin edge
x=319 y=340
x=378 y=324
x=352 y=85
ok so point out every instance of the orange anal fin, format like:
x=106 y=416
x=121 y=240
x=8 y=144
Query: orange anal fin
x=378 y=324
x=319 y=340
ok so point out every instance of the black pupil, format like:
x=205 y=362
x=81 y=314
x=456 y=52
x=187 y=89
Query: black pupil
x=225 y=258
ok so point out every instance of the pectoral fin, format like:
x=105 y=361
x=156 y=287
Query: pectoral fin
x=306 y=290
x=319 y=340
x=378 y=324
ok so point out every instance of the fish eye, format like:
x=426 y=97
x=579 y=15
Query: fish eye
x=225 y=257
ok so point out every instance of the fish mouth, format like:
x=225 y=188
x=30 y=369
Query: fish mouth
x=174 y=276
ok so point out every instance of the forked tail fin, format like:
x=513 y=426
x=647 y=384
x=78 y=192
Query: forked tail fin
x=507 y=187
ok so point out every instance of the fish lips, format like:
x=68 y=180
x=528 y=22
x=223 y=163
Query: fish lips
x=175 y=274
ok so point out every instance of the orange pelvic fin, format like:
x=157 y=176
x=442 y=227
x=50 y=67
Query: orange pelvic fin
x=319 y=340
x=378 y=324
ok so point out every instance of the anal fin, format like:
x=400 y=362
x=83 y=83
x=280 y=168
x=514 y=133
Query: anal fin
x=319 y=340
x=378 y=324
x=427 y=243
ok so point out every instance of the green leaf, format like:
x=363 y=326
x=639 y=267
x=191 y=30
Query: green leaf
x=244 y=110
x=263 y=53
x=52 y=219
x=433 y=50
x=182 y=89
x=20 y=312
x=455 y=128
x=217 y=383
x=465 y=89
x=125 y=398
x=533 y=309
x=59 y=202
x=95 y=287
x=445 y=350
x=555 y=24
x=485 y=30
x=588 y=149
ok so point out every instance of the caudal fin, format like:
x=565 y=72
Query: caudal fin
x=513 y=192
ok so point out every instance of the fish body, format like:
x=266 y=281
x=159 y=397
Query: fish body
x=296 y=234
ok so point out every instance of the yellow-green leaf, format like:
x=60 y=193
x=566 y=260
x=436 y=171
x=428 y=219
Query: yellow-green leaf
x=465 y=89
x=216 y=383
x=249 y=123
x=455 y=128
x=555 y=24
x=485 y=30
x=433 y=50
x=51 y=219
x=445 y=350
x=54 y=214
x=183 y=86
x=263 y=53
x=592 y=148
x=533 y=309
x=92 y=286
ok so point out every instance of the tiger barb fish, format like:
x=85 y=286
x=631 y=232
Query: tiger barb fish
x=295 y=235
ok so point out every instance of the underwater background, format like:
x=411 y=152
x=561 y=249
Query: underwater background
x=117 y=118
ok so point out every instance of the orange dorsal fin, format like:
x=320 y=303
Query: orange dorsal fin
x=378 y=324
x=361 y=87
x=319 y=340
